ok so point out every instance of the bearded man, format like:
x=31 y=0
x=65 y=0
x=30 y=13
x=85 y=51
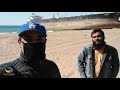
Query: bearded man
x=98 y=60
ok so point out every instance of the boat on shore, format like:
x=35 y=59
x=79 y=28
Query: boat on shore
x=93 y=21
x=34 y=18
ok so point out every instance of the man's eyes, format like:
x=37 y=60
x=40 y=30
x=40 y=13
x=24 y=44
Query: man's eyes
x=96 y=36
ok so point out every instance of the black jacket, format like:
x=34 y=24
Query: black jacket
x=21 y=68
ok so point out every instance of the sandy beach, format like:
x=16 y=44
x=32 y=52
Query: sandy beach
x=63 y=48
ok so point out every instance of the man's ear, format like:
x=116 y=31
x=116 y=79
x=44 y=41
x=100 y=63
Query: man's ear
x=19 y=41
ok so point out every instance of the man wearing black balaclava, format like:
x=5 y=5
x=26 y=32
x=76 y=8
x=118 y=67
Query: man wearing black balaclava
x=32 y=62
x=98 y=60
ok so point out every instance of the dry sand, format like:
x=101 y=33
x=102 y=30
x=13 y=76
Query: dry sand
x=63 y=48
x=83 y=24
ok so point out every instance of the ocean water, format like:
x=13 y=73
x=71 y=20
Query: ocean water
x=8 y=29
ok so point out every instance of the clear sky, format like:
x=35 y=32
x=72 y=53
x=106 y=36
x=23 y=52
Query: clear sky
x=18 y=18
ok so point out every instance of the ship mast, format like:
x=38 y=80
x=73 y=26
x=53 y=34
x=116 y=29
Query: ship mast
x=33 y=13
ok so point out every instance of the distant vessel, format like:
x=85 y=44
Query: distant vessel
x=82 y=22
x=34 y=18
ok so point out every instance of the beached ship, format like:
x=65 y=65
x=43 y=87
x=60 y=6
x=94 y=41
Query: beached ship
x=34 y=18
x=92 y=21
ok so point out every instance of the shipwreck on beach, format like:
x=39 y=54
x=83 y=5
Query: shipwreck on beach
x=82 y=22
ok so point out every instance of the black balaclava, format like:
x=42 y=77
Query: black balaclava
x=34 y=52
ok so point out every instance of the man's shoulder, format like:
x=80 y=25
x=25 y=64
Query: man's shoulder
x=87 y=47
x=4 y=65
x=53 y=68
x=111 y=48
x=50 y=62
x=7 y=69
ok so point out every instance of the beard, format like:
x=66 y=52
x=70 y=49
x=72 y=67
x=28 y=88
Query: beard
x=98 y=45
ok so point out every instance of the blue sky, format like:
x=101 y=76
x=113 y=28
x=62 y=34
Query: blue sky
x=18 y=18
